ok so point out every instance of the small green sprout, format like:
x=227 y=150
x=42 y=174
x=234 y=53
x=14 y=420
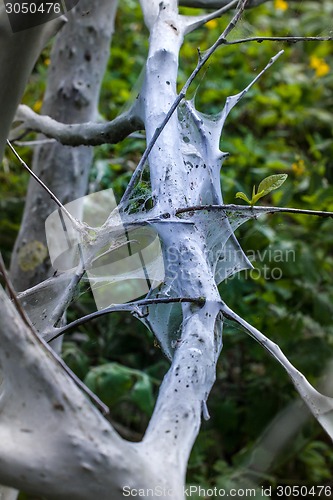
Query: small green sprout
x=266 y=186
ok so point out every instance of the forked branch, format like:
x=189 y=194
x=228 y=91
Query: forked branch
x=201 y=62
x=133 y=307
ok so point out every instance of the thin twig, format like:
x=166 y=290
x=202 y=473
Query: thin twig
x=244 y=208
x=285 y=39
x=130 y=307
x=44 y=186
x=201 y=62
x=217 y=4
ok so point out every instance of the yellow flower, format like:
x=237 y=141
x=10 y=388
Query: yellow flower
x=319 y=65
x=47 y=61
x=212 y=24
x=38 y=105
x=124 y=94
x=281 y=4
x=298 y=167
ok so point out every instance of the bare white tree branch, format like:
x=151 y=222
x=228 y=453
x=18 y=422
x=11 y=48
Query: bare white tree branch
x=320 y=406
x=193 y=22
x=77 y=134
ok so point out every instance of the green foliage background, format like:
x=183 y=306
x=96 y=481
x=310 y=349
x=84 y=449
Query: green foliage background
x=284 y=125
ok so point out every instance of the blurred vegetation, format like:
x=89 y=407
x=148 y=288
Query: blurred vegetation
x=283 y=126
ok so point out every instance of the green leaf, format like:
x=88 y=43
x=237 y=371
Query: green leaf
x=113 y=382
x=270 y=183
x=266 y=186
x=243 y=197
x=257 y=197
x=142 y=394
x=110 y=382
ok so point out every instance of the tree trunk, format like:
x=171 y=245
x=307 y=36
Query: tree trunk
x=78 y=63
x=18 y=54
